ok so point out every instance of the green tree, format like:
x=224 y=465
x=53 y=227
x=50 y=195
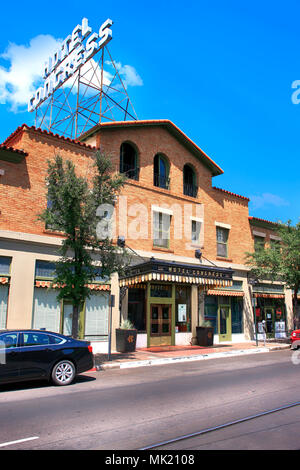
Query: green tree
x=280 y=260
x=81 y=210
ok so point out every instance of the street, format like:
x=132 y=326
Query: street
x=130 y=409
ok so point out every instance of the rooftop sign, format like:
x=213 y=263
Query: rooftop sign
x=75 y=51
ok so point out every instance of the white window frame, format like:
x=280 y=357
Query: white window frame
x=200 y=222
x=161 y=230
x=222 y=227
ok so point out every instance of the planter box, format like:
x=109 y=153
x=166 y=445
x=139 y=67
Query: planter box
x=125 y=340
x=205 y=335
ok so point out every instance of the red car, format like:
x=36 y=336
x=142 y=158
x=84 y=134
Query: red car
x=295 y=339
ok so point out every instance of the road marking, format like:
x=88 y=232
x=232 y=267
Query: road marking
x=4 y=444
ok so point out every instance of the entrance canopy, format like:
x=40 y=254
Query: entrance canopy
x=158 y=270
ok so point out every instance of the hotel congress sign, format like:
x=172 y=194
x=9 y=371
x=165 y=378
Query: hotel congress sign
x=177 y=272
x=75 y=51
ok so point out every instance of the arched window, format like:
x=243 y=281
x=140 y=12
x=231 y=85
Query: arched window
x=161 y=172
x=129 y=161
x=189 y=181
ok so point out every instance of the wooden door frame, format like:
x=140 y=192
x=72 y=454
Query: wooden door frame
x=160 y=301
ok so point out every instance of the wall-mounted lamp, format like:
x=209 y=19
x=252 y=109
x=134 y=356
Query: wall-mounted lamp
x=121 y=241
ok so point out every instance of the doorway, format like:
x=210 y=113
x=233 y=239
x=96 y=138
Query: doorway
x=270 y=320
x=224 y=323
x=160 y=324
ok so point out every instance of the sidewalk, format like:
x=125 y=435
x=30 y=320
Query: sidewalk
x=172 y=354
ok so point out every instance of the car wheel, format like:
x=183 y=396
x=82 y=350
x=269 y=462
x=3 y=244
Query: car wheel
x=63 y=373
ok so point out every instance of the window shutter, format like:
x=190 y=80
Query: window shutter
x=96 y=317
x=46 y=310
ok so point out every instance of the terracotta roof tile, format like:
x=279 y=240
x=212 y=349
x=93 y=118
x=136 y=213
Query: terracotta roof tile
x=231 y=194
x=11 y=149
x=262 y=220
x=43 y=131
x=216 y=170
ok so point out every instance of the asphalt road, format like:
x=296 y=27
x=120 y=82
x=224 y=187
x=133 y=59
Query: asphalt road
x=134 y=408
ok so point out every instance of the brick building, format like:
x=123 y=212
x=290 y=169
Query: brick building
x=190 y=238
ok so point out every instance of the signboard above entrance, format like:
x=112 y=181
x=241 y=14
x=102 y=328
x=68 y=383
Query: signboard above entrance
x=75 y=51
x=157 y=270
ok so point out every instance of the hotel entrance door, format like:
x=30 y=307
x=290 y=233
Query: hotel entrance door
x=160 y=324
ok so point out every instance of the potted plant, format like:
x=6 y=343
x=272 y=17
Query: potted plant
x=205 y=334
x=126 y=337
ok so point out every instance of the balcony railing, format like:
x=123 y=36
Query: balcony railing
x=190 y=190
x=130 y=171
x=161 y=181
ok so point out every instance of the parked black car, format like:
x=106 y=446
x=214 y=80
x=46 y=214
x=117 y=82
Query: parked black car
x=37 y=354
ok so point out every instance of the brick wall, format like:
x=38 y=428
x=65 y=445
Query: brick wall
x=214 y=205
x=23 y=188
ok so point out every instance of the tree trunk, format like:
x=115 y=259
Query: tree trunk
x=75 y=321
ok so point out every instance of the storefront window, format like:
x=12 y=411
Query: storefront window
x=212 y=303
x=5 y=265
x=137 y=308
x=211 y=311
x=237 y=315
x=161 y=290
x=96 y=317
x=3 y=306
x=183 y=309
x=273 y=312
x=45 y=269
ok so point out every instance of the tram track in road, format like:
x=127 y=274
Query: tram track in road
x=205 y=431
x=160 y=404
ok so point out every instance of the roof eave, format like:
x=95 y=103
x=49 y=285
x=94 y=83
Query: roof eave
x=184 y=139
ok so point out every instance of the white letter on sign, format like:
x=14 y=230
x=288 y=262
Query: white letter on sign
x=105 y=33
x=91 y=46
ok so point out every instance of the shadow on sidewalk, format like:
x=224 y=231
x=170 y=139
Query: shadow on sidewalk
x=101 y=357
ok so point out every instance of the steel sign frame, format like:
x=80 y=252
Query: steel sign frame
x=77 y=93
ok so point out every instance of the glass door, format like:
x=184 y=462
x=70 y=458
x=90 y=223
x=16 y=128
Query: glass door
x=224 y=323
x=269 y=318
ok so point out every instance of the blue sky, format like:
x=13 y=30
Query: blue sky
x=221 y=71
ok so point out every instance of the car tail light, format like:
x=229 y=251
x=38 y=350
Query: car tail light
x=90 y=348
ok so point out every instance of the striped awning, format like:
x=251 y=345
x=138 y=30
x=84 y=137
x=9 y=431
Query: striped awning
x=181 y=273
x=4 y=280
x=48 y=284
x=173 y=278
x=228 y=293
x=270 y=296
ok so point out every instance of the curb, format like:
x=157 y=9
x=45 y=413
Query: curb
x=198 y=357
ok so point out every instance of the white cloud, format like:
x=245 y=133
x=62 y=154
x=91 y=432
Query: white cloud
x=23 y=74
x=18 y=81
x=268 y=199
x=91 y=74
x=129 y=75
